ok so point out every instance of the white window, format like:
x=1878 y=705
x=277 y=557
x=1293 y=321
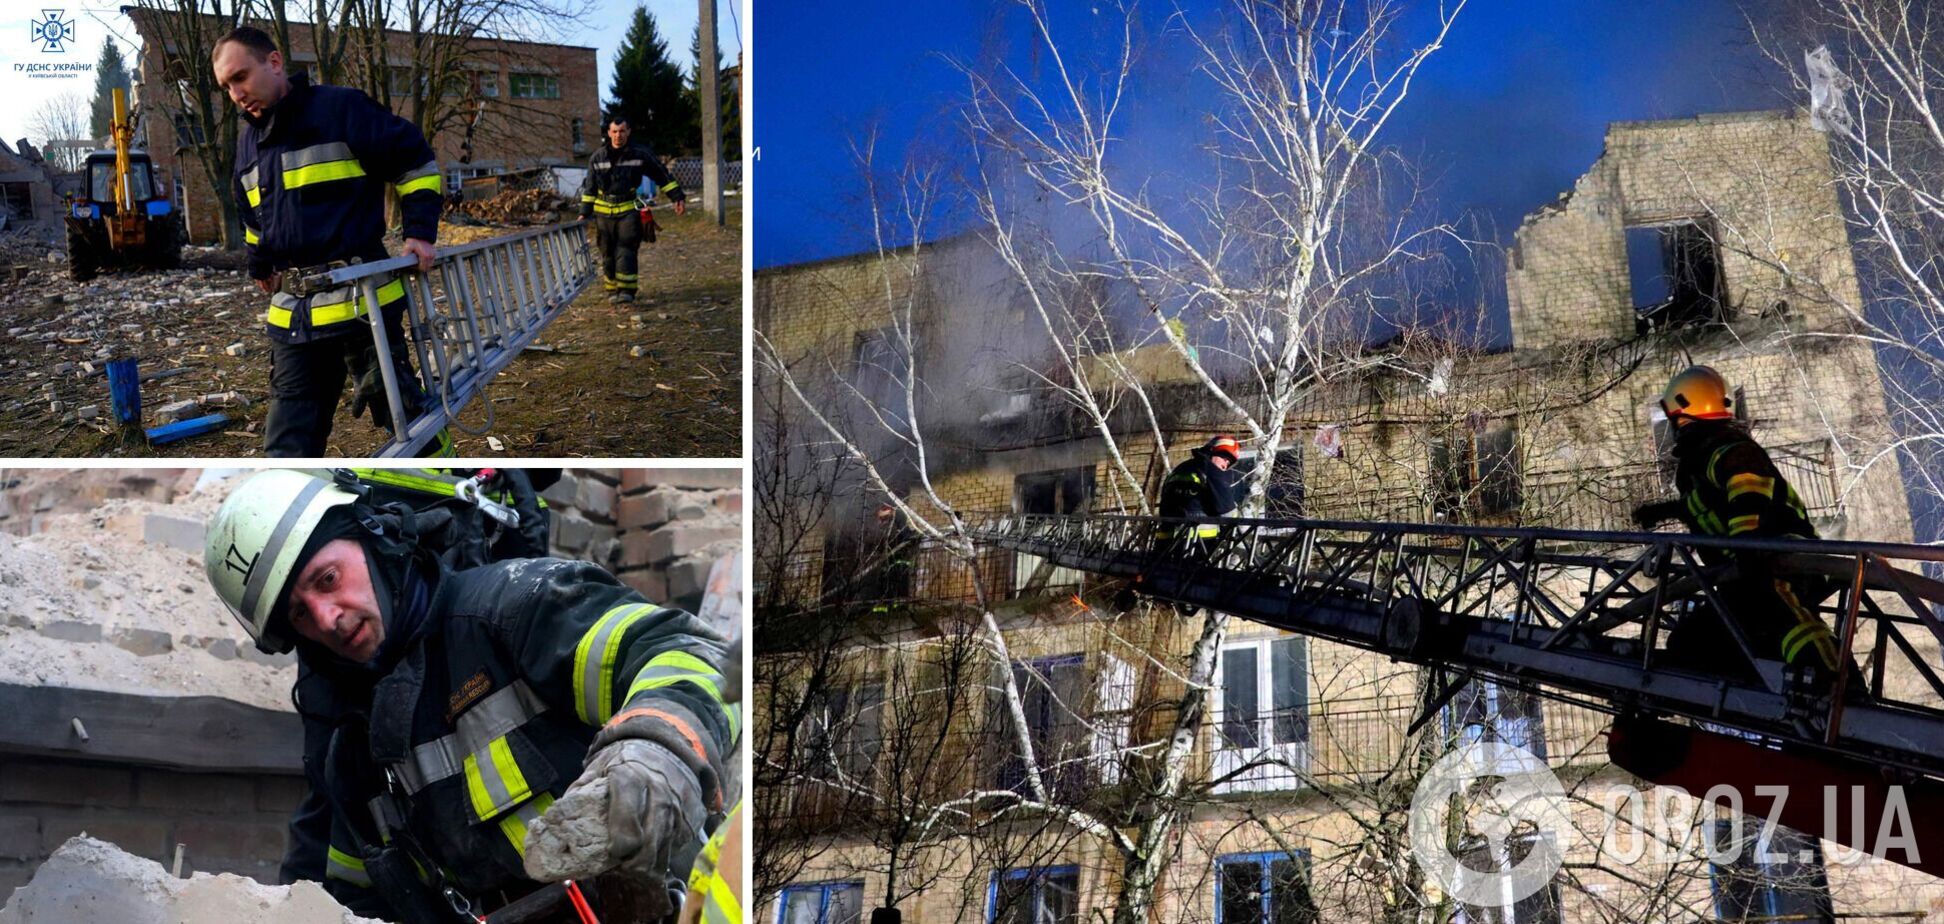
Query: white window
x=823 y=903
x=1113 y=717
x=1262 y=715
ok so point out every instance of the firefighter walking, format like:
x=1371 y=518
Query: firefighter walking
x=622 y=178
x=1730 y=487
x=312 y=167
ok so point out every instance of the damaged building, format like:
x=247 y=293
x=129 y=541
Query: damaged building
x=1717 y=239
x=27 y=200
x=141 y=715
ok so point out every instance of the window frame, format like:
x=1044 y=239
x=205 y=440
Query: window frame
x=1038 y=876
x=1769 y=885
x=1271 y=776
x=1264 y=861
x=824 y=889
x=1493 y=693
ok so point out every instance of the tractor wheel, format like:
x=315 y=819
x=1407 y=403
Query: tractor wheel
x=82 y=262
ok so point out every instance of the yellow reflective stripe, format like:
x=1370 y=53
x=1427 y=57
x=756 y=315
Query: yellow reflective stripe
x=672 y=667
x=514 y=824
x=338 y=312
x=1750 y=483
x=594 y=662
x=627 y=277
x=254 y=194
x=671 y=185
x=721 y=906
x=506 y=778
x=604 y=208
x=322 y=173
x=1743 y=523
x=422 y=184
x=586 y=198
x=1207 y=531
x=250 y=235
x=341 y=865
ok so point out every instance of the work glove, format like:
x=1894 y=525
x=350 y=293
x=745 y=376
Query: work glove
x=648 y=226
x=369 y=389
x=1648 y=516
x=635 y=808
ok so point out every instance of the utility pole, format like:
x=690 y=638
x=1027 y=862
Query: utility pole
x=706 y=77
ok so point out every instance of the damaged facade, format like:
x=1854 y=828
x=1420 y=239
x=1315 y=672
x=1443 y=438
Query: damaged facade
x=27 y=200
x=1714 y=240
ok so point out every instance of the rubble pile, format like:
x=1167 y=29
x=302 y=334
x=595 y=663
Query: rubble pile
x=114 y=598
x=520 y=207
x=188 y=330
x=93 y=882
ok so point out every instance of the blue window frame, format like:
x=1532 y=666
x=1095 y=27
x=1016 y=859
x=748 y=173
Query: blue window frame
x=1264 y=888
x=821 y=903
x=1034 y=895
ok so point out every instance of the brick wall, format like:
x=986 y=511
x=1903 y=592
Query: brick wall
x=228 y=823
x=659 y=530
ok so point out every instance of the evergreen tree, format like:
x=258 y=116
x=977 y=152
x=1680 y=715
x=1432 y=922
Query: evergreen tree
x=731 y=105
x=648 y=89
x=111 y=73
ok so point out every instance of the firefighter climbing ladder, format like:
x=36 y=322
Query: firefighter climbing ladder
x=471 y=314
x=1576 y=613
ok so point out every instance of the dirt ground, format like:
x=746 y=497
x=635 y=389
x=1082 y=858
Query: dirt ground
x=583 y=392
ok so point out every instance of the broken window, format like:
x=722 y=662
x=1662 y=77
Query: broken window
x=1675 y=272
x=17 y=201
x=1779 y=877
x=1285 y=490
x=1475 y=473
x=1062 y=491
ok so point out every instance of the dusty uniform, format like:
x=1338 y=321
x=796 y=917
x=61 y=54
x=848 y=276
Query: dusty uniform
x=1730 y=487
x=608 y=198
x=310 y=184
x=428 y=776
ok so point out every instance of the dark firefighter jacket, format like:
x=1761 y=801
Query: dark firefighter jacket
x=1729 y=486
x=310 y=187
x=487 y=717
x=1196 y=488
x=614 y=176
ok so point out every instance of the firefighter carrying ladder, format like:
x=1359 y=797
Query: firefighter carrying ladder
x=471 y=314
x=1576 y=616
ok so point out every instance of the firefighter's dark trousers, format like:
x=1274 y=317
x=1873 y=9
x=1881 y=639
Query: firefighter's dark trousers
x=1772 y=613
x=619 y=239
x=307 y=379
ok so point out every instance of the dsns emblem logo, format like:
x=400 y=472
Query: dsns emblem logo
x=53 y=32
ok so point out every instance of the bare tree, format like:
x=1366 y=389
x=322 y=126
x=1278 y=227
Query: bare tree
x=1872 y=75
x=62 y=118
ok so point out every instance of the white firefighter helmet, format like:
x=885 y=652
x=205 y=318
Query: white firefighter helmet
x=250 y=549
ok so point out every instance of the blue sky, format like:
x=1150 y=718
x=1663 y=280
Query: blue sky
x=1503 y=118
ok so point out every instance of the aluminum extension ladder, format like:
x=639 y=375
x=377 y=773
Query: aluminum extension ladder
x=1572 y=615
x=470 y=315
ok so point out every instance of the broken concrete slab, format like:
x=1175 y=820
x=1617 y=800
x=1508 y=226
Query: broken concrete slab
x=89 y=881
x=184 y=533
x=143 y=643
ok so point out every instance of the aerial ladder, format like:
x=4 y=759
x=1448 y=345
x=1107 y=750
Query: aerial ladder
x=1581 y=617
